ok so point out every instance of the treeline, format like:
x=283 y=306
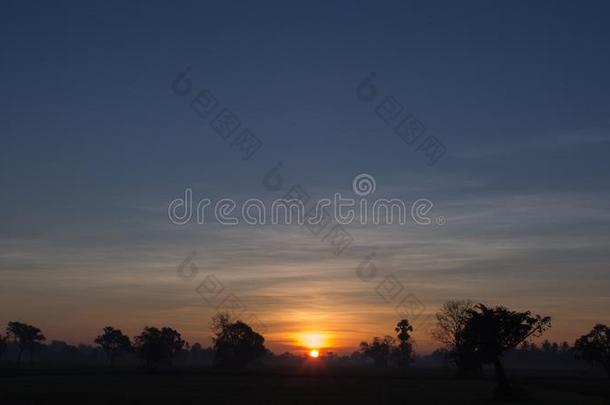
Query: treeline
x=548 y=355
x=473 y=336
x=235 y=345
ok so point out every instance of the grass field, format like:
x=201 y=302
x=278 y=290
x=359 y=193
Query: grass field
x=309 y=387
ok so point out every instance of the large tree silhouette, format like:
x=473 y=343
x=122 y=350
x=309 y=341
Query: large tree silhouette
x=235 y=343
x=156 y=345
x=404 y=350
x=450 y=323
x=26 y=336
x=378 y=350
x=114 y=343
x=594 y=347
x=492 y=331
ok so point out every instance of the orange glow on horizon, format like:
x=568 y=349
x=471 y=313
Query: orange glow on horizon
x=313 y=340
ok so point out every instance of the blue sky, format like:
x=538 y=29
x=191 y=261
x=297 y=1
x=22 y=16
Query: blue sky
x=95 y=145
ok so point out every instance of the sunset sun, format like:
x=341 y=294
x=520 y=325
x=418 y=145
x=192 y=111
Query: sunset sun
x=314 y=354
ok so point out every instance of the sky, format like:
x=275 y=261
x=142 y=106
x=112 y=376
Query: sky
x=95 y=144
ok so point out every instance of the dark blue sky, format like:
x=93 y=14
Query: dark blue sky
x=95 y=145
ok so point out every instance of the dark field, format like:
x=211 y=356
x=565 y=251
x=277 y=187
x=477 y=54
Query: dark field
x=308 y=387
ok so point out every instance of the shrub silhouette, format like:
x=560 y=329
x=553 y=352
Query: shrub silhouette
x=378 y=350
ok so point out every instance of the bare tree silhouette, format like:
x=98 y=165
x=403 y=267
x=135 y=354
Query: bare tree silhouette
x=450 y=323
x=594 y=347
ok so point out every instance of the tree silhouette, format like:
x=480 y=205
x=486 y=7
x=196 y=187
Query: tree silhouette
x=156 y=345
x=26 y=336
x=404 y=350
x=594 y=347
x=114 y=343
x=450 y=323
x=235 y=343
x=492 y=331
x=378 y=350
